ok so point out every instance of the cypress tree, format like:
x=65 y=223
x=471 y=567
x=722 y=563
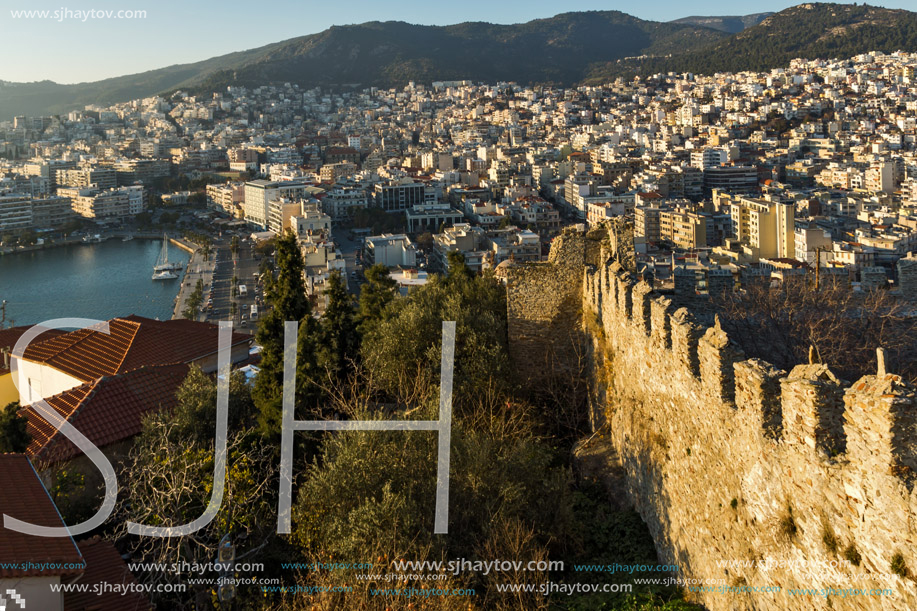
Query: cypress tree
x=287 y=295
x=339 y=339
x=375 y=295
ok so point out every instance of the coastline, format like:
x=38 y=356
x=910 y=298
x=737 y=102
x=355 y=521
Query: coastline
x=187 y=284
x=74 y=241
x=96 y=280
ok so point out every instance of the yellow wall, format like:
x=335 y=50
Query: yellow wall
x=8 y=392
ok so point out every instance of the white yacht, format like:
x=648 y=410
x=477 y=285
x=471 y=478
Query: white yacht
x=165 y=275
x=162 y=264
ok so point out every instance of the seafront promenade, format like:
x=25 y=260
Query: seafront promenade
x=198 y=268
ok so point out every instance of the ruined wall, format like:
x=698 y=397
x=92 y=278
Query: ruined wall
x=731 y=460
x=545 y=305
x=907 y=277
x=621 y=242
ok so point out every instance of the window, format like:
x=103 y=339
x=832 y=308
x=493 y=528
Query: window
x=34 y=390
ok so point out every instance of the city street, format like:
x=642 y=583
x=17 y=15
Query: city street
x=350 y=249
x=244 y=267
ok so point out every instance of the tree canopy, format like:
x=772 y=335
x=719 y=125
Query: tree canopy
x=14 y=434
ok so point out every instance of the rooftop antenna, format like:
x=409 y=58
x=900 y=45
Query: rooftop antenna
x=2 y=313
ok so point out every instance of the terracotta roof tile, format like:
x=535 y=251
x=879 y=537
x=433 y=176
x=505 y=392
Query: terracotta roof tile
x=132 y=342
x=105 y=565
x=26 y=499
x=86 y=353
x=106 y=411
x=9 y=337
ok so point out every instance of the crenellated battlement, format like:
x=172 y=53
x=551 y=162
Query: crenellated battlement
x=810 y=405
x=730 y=461
x=730 y=458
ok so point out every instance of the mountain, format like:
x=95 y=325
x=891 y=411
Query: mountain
x=815 y=30
x=48 y=97
x=730 y=24
x=567 y=49
x=555 y=50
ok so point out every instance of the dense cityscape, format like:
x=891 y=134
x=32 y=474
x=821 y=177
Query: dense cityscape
x=683 y=339
x=820 y=154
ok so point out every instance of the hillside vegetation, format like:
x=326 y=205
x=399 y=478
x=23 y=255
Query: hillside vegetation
x=806 y=31
x=568 y=49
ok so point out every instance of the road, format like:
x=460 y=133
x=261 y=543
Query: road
x=224 y=265
x=349 y=250
x=243 y=266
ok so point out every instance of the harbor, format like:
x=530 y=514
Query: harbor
x=91 y=280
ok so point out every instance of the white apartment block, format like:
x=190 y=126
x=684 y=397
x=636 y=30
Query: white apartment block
x=260 y=193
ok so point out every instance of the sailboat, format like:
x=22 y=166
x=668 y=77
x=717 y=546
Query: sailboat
x=165 y=275
x=163 y=270
x=162 y=264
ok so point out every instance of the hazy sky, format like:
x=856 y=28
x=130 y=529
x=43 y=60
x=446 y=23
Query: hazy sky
x=73 y=49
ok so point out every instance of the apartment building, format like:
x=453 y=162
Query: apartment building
x=685 y=229
x=281 y=212
x=105 y=204
x=51 y=212
x=310 y=220
x=735 y=179
x=709 y=157
x=333 y=172
x=227 y=197
x=535 y=212
x=520 y=245
x=343 y=201
x=102 y=178
x=430 y=217
x=260 y=193
x=808 y=240
x=390 y=251
x=880 y=177
x=401 y=196
x=337 y=154
x=131 y=171
x=471 y=241
x=765 y=229
x=647 y=222
x=15 y=212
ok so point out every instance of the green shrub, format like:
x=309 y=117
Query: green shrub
x=897 y=565
x=828 y=538
x=786 y=525
x=852 y=555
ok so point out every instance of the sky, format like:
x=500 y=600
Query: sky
x=71 y=46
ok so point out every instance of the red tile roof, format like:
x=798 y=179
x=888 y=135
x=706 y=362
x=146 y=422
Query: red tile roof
x=106 y=411
x=132 y=342
x=104 y=565
x=9 y=337
x=25 y=498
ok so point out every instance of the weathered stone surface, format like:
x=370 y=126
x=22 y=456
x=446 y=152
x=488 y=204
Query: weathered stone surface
x=721 y=454
x=544 y=307
x=873 y=278
x=907 y=277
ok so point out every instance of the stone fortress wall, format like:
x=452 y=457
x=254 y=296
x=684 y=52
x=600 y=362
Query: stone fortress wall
x=745 y=474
